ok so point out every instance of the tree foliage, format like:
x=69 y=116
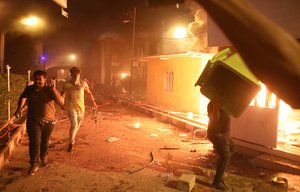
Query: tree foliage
x=17 y=85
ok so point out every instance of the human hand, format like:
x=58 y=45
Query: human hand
x=51 y=84
x=95 y=105
x=63 y=107
x=18 y=113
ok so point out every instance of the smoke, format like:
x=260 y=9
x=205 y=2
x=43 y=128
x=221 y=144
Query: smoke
x=198 y=30
x=171 y=46
x=11 y=11
x=199 y=26
x=6 y=15
x=2 y=10
x=192 y=5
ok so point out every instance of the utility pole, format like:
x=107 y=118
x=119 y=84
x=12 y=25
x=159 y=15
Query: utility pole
x=132 y=51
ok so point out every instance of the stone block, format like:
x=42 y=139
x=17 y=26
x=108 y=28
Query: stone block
x=186 y=182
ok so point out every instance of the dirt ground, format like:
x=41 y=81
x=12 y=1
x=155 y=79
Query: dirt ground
x=114 y=155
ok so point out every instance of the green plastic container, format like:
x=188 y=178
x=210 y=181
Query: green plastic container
x=227 y=80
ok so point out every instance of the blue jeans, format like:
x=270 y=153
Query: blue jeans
x=76 y=118
x=39 y=136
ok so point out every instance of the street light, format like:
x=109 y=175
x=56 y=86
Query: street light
x=30 y=22
x=72 y=57
x=132 y=46
x=180 y=33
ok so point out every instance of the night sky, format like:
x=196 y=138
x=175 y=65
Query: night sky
x=87 y=20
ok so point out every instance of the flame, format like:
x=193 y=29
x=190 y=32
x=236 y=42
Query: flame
x=137 y=125
x=124 y=75
x=261 y=96
x=190 y=115
x=286 y=123
x=264 y=98
x=272 y=101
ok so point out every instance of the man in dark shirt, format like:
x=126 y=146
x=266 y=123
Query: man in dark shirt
x=218 y=134
x=40 y=98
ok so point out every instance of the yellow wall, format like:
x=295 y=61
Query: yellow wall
x=185 y=96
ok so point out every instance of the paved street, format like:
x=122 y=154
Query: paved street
x=115 y=154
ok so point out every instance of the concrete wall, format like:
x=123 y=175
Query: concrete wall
x=186 y=70
x=256 y=125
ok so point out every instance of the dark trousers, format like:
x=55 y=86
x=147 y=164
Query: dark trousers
x=225 y=147
x=39 y=136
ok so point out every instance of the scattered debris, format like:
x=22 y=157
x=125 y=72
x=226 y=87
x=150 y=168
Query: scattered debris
x=271 y=185
x=113 y=139
x=186 y=182
x=163 y=130
x=137 y=125
x=166 y=176
x=263 y=173
x=53 y=144
x=183 y=135
x=153 y=135
x=96 y=115
x=281 y=181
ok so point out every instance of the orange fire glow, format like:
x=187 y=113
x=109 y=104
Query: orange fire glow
x=137 y=125
x=264 y=98
x=286 y=123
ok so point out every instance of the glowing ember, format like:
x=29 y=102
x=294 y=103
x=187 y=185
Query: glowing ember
x=124 y=75
x=261 y=96
x=137 y=125
x=264 y=99
x=287 y=125
x=190 y=115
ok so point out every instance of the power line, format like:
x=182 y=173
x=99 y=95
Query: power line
x=190 y=37
x=192 y=12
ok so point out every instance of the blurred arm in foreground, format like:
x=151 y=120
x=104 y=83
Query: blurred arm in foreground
x=271 y=54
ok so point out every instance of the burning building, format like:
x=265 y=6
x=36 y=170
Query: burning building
x=267 y=124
